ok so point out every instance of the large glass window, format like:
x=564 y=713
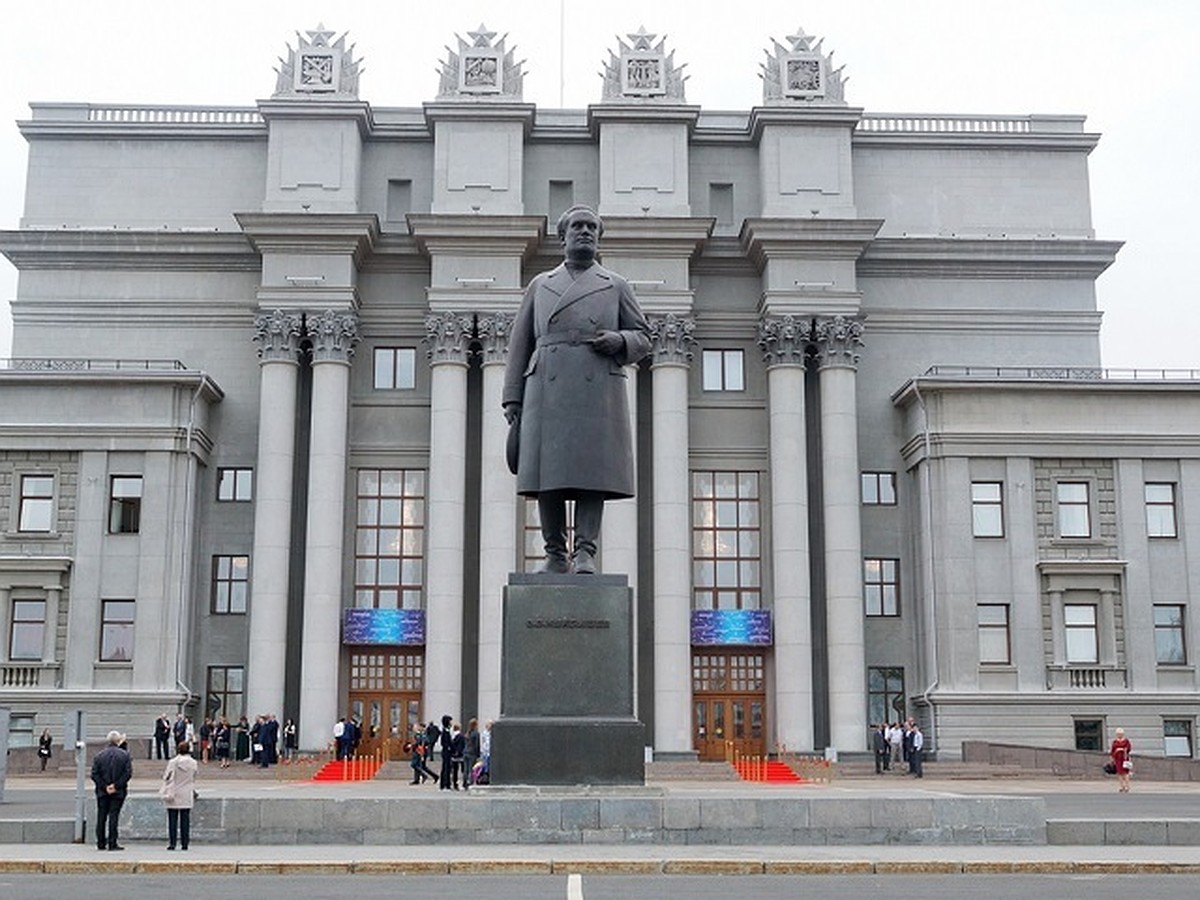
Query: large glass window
x=994 y=642
x=987 y=509
x=37 y=503
x=28 y=629
x=881 y=587
x=1169 y=646
x=125 y=506
x=1177 y=737
x=1160 y=510
x=1082 y=639
x=395 y=368
x=726 y=541
x=230 y=584
x=116 y=630
x=885 y=694
x=235 y=485
x=389 y=539
x=1088 y=734
x=1074 y=514
x=724 y=370
x=227 y=692
x=878 y=488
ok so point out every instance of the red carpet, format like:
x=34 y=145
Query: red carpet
x=347 y=770
x=770 y=771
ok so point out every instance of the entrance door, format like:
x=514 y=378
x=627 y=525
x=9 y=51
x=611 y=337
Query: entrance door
x=388 y=719
x=385 y=697
x=728 y=701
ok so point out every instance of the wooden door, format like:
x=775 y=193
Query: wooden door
x=388 y=719
x=729 y=699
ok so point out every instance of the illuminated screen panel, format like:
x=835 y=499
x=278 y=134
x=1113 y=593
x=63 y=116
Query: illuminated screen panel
x=731 y=627
x=383 y=626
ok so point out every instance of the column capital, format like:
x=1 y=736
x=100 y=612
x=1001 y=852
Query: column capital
x=784 y=340
x=333 y=335
x=277 y=334
x=494 y=332
x=837 y=341
x=448 y=335
x=672 y=340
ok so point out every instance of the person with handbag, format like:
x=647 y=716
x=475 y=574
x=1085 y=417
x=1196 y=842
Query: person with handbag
x=178 y=792
x=45 y=742
x=1120 y=751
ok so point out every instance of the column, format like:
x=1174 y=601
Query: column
x=497 y=513
x=448 y=335
x=278 y=338
x=672 y=538
x=784 y=342
x=619 y=531
x=838 y=340
x=50 y=626
x=333 y=335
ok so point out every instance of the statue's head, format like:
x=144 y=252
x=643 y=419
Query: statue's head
x=579 y=231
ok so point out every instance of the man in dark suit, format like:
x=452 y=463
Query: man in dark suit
x=578 y=326
x=162 y=735
x=447 y=746
x=111 y=771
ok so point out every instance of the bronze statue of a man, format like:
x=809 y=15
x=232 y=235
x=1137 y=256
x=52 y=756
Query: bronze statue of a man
x=579 y=325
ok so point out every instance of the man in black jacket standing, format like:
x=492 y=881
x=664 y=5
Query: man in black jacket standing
x=111 y=771
x=162 y=731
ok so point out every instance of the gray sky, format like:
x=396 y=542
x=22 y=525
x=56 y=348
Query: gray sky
x=1133 y=69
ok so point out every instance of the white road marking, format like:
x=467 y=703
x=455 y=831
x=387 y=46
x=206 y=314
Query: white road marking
x=575 y=886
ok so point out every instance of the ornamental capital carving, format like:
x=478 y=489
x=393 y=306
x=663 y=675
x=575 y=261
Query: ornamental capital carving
x=333 y=336
x=278 y=336
x=448 y=336
x=837 y=340
x=494 y=332
x=672 y=340
x=784 y=340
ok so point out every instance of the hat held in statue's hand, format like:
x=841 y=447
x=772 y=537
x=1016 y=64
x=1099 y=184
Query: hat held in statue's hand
x=512 y=447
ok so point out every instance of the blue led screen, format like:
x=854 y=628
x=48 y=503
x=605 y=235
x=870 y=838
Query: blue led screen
x=731 y=627
x=383 y=626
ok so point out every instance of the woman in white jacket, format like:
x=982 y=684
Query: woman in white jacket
x=179 y=793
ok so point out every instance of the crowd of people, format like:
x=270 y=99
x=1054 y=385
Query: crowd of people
x=896 y=743
x=465 y=755
x=262 y=742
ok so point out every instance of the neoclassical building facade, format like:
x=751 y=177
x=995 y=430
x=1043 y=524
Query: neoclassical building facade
x=252 y=450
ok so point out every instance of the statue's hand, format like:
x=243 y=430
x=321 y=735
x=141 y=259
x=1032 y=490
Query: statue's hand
x=608 y=343
x=512 y=412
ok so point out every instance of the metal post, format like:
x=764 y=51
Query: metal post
x=75 y=739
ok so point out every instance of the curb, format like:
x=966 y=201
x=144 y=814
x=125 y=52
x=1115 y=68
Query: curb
x=595 y=867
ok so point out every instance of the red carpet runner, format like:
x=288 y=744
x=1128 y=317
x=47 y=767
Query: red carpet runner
x=770 y=771
x=362 y=769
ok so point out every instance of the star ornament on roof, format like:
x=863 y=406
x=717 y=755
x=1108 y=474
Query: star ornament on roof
x=642 y=40
x=320 y=37
x=481 y=36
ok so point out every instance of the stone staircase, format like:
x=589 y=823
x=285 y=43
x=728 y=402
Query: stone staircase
x=690 y=770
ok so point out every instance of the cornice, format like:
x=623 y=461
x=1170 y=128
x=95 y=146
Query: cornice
x=642 y=112
x=353 y=233
x=195 y=251
x=480 y=109
x=785 y=116
x=976 y=140
x=791 y=238
x=656 y=236
x=311 y=108
x=477 y=235
x=988 y=257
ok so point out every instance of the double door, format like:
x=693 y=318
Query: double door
x=724 y=726
x=388 y=719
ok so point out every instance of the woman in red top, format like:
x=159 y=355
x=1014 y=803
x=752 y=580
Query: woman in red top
x=1120 y=751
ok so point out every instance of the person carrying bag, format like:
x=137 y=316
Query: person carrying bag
x=178 y=792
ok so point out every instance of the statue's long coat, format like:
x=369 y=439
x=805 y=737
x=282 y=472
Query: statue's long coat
x=575 y=432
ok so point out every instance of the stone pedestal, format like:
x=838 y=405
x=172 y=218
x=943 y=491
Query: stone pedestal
x=567 y=683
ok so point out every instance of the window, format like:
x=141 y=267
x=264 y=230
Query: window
x=389 y=539
x=116 y=630
x=235 y=485
x=37 y=503
x=726 y=541
x=28 y=629
x=395 y=368
x=1079 y=622
x=20 y=730
x=1177 y=737
x=125 y=508
x=723 y=370
x=1169 y=647
x=1088 y=734
x=881 y=586
x=226 y=692
x=993 y=634
x=1160 y=510
x=987 y=509
x=1074 y=516
x=885 y=694
x=230 y=584
x=879 y=488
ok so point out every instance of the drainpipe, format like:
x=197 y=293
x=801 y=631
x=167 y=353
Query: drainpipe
x=930 y=583
x=185 y=563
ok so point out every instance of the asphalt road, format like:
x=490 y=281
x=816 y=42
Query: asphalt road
x=598 y=887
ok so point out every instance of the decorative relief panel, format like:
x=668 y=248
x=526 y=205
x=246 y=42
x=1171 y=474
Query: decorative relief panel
x=802 y=73
x=481 y=68
x=318 y=68
x=643 y=70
